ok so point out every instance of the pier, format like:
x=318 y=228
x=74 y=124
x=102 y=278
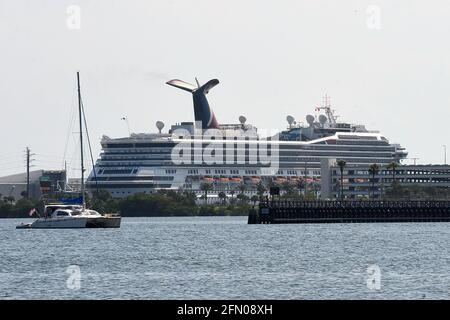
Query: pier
x=296 y=211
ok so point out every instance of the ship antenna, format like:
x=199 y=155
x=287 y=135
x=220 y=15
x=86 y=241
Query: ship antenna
x=327 y=107
x=81 y=139
x=198 y=83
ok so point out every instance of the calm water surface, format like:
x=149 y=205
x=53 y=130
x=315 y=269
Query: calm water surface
x=224 y=258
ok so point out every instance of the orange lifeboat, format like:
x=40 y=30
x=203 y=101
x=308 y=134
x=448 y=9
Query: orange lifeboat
x=281 y=179
x=208 y=179
x=255 y=179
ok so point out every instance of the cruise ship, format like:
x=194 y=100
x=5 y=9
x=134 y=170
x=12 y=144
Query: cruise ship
x=229 y=156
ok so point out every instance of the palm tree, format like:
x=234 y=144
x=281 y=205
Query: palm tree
x=301 y=185
x=255 y=198
x=205 y=187
x=222 y=196
x=288 y=188
x=242 y=187
x=341 y=164
x=393 y=166
x=373 y=170
x=260 y=189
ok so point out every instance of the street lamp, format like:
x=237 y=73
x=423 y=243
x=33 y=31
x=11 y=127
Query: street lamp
x=128 y=124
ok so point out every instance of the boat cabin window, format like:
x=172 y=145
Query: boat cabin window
x=62 y=213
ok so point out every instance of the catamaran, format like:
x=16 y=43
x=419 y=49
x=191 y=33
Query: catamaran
x=58 y=216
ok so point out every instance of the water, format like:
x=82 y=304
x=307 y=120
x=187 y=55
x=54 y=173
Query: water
x=224 y=258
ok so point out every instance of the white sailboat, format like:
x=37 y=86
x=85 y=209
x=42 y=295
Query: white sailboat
x=74 y=216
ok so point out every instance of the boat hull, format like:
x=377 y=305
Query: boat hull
x=104 y=222
x=66 y=223
x=73 y=223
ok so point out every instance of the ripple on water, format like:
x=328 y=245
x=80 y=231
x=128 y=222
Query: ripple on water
x=224 y=258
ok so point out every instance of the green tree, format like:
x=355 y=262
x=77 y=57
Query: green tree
x=242 y=198
x=261 y=189
x=373 y=170
x=341 y=164
x=206 y=187
x=9 y=199
x=223 y=197
x=242 y=188
x=255 y=198
x=301 y=186
x=393 y=166
x=287 y=188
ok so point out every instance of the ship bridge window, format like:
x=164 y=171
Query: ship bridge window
x=171 y=171
x=118 y=171
x=120 y=145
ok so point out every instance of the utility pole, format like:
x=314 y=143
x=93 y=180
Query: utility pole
x=28 y=161
x=306 y=177
x=445 y=153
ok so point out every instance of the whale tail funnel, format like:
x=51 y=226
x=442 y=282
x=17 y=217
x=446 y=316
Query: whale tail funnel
x=202 y=110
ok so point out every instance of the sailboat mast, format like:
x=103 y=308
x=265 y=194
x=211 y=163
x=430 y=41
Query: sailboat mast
x=81 y=138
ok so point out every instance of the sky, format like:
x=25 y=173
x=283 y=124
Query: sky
x=385 y=64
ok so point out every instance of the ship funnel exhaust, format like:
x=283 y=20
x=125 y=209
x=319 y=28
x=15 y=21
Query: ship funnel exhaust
x=202 y=110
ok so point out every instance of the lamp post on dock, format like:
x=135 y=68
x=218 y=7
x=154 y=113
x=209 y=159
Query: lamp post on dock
x=128 y=124
x=341 y=164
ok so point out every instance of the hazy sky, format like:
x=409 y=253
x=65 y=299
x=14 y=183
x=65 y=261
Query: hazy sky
x=385 y=64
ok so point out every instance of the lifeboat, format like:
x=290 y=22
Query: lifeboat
x=255 y=179
x=208 y=179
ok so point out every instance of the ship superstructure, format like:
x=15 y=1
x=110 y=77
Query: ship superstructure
x=230 y=155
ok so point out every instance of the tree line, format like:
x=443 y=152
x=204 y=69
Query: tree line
x=396 y=191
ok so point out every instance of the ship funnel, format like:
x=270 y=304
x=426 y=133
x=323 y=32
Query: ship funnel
x=202 y=110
